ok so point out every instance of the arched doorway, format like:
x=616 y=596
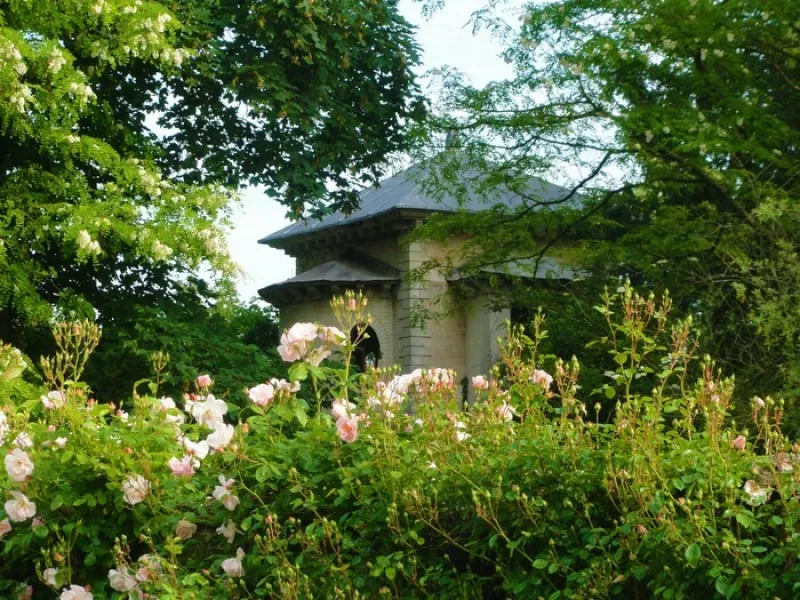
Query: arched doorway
x=368 y=347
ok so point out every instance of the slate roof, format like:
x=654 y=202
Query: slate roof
x=402 y=192
x=548 y=268
x=342 y=271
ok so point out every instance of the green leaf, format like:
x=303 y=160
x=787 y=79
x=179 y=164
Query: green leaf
x=723 y=586
x=693 y=553
x=390 y=572
x=301 y=416
x=744 y=519
x=541 y=563
x=298 y=371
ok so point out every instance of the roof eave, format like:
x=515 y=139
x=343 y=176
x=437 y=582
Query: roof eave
x=286 y=243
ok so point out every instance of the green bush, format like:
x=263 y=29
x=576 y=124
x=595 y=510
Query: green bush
x=381 y=485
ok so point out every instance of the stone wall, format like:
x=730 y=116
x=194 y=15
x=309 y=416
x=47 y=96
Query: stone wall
x=418 y=328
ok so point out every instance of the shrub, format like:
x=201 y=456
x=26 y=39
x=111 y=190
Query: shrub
x=383 y=485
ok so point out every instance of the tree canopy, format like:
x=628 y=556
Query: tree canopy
x=126 y=126
x=675 y=123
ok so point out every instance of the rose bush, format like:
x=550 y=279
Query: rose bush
x=383 y=485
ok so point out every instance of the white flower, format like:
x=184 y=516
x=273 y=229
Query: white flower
x=209 y=412
x=185 y=529
x=49 y=577
x=20 y=508
x=197 y=449
x=54 y=399
x=122 y=581
x=84 y=91
x=83 y=239
x=221 y=437
x=18 y=465
x=758 y=495
x=161 y=251
x=262 y=394
x=233 y=566
x=76 y=592
x=222 y=493
x=168 y=404
x=23 y=440
x=20 y=97
x=61 y=442
x=461 y=435
x=55 y=61
x=135 y=489
x=228 y=531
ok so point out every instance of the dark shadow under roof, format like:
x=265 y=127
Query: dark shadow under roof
x=403 y=192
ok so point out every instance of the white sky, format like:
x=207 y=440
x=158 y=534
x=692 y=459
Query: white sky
x=445 y=39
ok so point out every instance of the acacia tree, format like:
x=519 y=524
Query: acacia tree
x=675 y=123
x=99 y=210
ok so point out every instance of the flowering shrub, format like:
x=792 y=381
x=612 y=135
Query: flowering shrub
x=383 y=485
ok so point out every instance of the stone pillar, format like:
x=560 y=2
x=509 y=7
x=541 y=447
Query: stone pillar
x=483 y=327
x=413 y=341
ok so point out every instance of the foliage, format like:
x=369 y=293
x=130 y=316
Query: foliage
x=236 y=343
x=673 y=125
x=382 y=487
x=100 y=206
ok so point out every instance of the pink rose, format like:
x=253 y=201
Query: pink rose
x=182 y=467
x=185 y=529
x=262 y=394
x=204 y=381
x=20 y=508
x=5 y=528
x=347 y=428
x=26 y=593
x=54 y=399
x=222 y=493
x=233 y=566
x=479 y=382
x=341 y=408
x=506 y=412
x=542 y=379
x=739 y=442
x=285 y=387
x=18 y=465
x=135 y=489
x=332 y=336
x=296 y=342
